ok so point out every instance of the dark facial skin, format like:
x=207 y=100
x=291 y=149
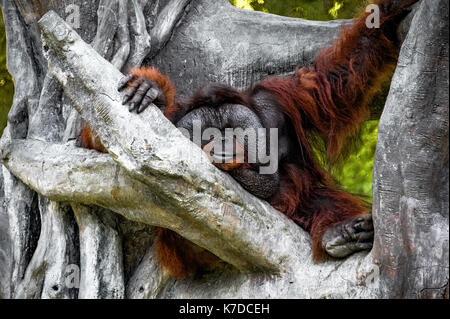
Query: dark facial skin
x=339 y=241
x=237 y=116
x=139 y=93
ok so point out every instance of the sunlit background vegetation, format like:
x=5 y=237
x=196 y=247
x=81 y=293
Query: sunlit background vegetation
x=6 y=83
x=355 y=175
x=306 y=9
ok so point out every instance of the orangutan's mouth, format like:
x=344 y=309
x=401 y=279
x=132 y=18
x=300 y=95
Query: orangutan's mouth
x=225 y=151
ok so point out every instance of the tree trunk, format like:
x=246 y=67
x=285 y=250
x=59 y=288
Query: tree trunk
x=79 y=224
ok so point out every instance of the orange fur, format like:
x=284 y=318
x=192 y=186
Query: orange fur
x=89 y=141
x=180 y=257
x=163 y=82
x=171 y=111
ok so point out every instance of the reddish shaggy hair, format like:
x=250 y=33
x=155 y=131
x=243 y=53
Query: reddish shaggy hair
x=328 y=101
x=88 y=140
x=180 y=257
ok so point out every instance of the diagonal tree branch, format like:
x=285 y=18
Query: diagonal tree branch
x=65 y=173
x=200 y=202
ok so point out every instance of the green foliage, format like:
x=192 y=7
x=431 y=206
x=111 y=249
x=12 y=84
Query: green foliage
x=306 y=9
x=355 y=174
x=6 y=82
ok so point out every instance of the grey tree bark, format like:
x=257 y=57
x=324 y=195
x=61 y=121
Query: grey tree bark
x=78 y=224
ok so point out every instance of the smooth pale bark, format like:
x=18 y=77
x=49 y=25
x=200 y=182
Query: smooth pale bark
x=143 y=183
x=411 y=164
